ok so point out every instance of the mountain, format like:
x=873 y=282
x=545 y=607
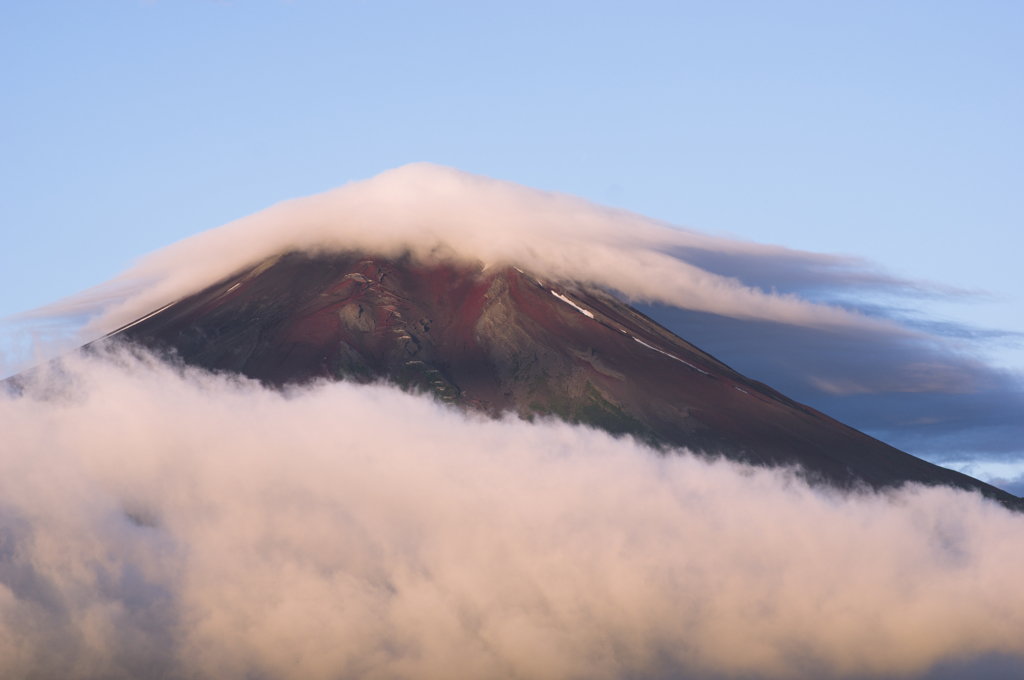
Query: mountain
x=498 y=340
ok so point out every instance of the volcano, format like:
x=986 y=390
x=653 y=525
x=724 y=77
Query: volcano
x=500 y=340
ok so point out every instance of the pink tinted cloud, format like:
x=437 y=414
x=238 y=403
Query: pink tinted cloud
x=204 y=526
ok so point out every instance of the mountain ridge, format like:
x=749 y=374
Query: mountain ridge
x=498 y=339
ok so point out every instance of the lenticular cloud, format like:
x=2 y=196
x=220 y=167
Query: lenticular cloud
x=159 y=522
x=438 y=213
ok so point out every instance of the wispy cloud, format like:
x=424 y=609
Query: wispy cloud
x=165 y=523
x=921 y=393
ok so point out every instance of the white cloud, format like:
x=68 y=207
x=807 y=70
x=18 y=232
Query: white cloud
x=439 y=212
x=156 y=521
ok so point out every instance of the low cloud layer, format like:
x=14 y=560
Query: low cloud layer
x=164 y=523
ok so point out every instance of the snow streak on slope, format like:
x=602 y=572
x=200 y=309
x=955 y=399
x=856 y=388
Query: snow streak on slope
x=160 y=523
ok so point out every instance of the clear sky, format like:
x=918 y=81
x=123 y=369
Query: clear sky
x=890 y=131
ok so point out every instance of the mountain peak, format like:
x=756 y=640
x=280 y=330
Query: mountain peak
x=499 y=339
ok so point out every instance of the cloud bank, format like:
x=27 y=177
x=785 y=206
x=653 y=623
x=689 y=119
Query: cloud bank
x=159 y=522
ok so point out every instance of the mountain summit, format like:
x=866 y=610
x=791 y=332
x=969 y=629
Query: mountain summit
x=499 y=339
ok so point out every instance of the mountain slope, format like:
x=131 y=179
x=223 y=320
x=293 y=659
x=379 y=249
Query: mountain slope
x=500 y=340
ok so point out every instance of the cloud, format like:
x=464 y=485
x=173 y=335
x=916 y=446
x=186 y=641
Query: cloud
x=812 y=325
x=916 y=393
x=442 y=213
x=804 y=273
x=164 y=522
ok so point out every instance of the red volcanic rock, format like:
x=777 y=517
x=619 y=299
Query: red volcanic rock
x=498 y=340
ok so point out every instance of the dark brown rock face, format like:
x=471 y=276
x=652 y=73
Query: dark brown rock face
x=498 y=340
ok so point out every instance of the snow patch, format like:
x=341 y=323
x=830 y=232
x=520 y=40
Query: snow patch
x=671 y=356
x=570 y=302
x=138 y=321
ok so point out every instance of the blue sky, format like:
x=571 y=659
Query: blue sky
x=889 y=132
